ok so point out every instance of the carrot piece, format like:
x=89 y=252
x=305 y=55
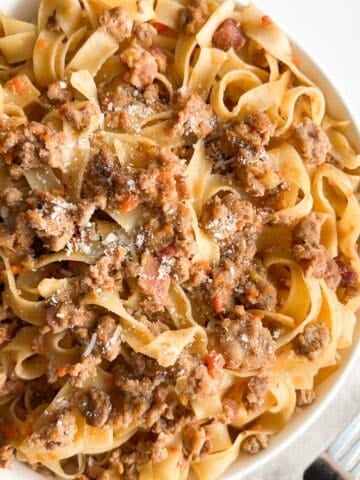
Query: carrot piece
x=217 y=304
x=129 y=203
x=17 y=85
x=266 y=20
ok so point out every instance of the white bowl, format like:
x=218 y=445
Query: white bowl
x=338 y=107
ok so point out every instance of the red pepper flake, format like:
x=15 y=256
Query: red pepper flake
x=9 y=430
x=160 y=27
x=214 y=362
x=129 y=203
x=266 y=20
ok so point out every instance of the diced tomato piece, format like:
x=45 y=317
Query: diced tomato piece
x=160 y=27
x=129 y=203
x=214 y=362
x=217 y=304
x=266 y=21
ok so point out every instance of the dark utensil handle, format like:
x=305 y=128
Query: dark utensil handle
x=325 y=468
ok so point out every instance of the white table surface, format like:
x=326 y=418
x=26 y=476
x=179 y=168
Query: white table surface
x=329 y=31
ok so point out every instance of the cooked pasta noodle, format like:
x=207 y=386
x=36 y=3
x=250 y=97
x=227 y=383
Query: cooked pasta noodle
x=178 y=238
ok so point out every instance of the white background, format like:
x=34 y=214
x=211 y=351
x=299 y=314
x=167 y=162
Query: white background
x=328 y=30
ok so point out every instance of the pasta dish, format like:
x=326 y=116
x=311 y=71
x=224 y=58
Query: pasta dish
x=178 y=226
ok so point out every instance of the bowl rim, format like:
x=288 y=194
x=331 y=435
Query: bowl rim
x=332 y=385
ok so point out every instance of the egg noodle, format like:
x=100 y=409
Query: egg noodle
x=262 y=76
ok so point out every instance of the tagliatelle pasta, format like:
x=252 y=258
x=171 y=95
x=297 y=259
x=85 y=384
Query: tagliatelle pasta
x=178 y=238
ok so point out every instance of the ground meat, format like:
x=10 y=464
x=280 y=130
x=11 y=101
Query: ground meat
x=256 y=391
x=79 y=114
x=95 y=405
x=57 y=432
x=312 y=256
x=81 y=372
x=197 y=381
x=194 y=16
x=255 y=290
x=349 y=277
x=223 y=218
x=151 y=279
x=229 y=35
x=117 y=22
x=195 y=442
x=142 y=65
x=160 y=57
x=51 y=218
x=101 y=177
x=30 y=146
x=305 y=397
x=5 y=333
x=144 y=33
x=63 y=311
x=193 y=116
x=244 y=342
x=108 y=338
x=59 y=92
x=254 y=129
x=240 y=150
x=106 y=273
x=314 y=340
x=312 y=142
x=11 y=197
x=163 y=182
x=6 y=456
x=254 y=443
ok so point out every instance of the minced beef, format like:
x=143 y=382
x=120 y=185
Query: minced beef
x=59 y=92
x=117 y=22
x=194 y=16
x=31 y=146
x=57 y=432
x=312 y=142
x=229 y=35
x=255 y=393
x=254 y=443
x=312 y=256
x=95 y=405
x=305 y=397
x=79 y=114
x=142 y=65
x=51 y=218
x=193 y=116
x=243 y=341
x=313 y=341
